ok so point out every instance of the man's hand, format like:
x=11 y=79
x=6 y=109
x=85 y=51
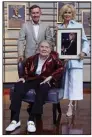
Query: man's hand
x=47 y=80
x=62 y=49
x=81 y=55
x=21 y=58
x=21 y=79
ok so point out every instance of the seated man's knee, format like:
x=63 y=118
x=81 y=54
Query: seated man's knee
x=44 y=86
x=18 y=87
x=18 y=84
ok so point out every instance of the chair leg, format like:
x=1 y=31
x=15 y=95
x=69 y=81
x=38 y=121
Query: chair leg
x=54 y=113
x=59 y=108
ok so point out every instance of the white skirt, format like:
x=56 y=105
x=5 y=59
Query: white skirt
x=73 y=85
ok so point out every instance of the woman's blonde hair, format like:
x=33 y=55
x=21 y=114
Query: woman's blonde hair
x=65 y=8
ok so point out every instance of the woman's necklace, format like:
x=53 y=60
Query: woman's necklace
x=65 y=25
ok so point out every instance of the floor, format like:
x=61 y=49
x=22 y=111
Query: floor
x=79 y=123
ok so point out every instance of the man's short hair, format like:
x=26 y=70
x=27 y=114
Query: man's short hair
x=33 y=7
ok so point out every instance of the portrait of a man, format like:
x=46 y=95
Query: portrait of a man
x=16 y=15
x=69 y=44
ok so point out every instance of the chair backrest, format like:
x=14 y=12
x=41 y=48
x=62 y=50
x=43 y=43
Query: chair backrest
x=20 y=68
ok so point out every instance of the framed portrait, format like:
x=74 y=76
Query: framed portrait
x=69 y=43
x=86 y=21
x=60 y=4
x=16 y=15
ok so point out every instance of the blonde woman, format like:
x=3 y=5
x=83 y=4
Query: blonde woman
x=73 y=88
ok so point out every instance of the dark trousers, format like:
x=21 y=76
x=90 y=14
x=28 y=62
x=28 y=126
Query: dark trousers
x=20 y=91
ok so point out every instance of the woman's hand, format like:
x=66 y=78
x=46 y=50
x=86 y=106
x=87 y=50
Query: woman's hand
x=81 y=55
x=21 y=79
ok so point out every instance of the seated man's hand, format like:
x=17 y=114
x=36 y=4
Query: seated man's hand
x=21 y=79
x=47 y=80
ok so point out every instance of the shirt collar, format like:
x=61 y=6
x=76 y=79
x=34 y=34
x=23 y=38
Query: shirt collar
x=70 y=22
x=34 y=23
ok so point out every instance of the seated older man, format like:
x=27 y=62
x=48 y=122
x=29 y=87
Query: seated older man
x=42 y=72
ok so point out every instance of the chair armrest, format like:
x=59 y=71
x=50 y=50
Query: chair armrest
x=20 y=68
